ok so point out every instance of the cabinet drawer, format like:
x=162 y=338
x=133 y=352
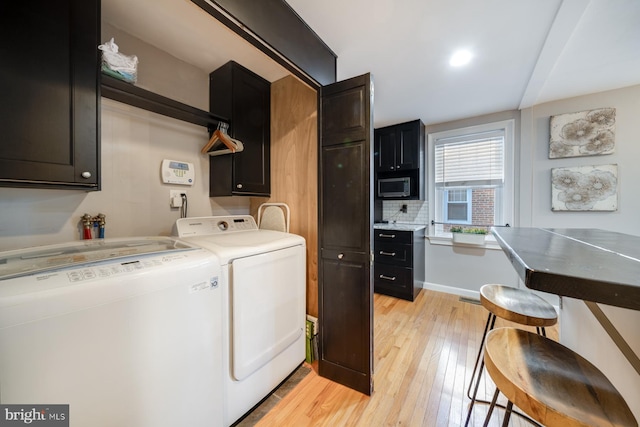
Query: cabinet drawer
x=382 y=235
x=397 y=280
x=393 y=253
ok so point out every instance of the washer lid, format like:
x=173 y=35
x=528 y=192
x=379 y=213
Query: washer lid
x=22 y=262
x=247 y=243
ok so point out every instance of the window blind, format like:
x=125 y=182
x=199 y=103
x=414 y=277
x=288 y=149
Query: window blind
x=476 y=159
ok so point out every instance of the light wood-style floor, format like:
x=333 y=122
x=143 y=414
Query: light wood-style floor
x=423 y=359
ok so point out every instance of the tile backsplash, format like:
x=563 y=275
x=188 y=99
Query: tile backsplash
x=417 y=211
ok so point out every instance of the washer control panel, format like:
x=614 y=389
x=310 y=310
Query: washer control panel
x=207 y=226
x=119 y=268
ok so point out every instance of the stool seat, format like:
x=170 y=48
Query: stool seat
x=552 y=384
x=517 y=305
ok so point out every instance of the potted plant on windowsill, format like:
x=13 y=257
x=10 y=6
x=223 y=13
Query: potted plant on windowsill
x=468 y=236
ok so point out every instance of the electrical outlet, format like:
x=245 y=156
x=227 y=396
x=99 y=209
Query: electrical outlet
x=403 y=209
x=175 y=200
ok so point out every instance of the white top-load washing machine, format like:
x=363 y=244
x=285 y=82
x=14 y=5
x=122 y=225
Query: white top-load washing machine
x=127 y=332
x=264 y=302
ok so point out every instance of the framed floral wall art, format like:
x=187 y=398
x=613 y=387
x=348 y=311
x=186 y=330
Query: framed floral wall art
x=585 y=188
x=587 y=133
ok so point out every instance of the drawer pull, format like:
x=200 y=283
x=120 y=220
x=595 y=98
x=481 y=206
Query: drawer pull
x=382 y=276
x=390 y=236
x=387 y=253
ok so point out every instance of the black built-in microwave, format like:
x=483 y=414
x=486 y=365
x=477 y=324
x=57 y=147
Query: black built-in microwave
x=394 y=187
x=400 y=185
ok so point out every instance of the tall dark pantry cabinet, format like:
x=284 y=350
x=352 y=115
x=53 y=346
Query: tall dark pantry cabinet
x=345 y=230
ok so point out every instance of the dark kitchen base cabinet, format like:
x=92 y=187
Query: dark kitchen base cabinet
x=399 y=262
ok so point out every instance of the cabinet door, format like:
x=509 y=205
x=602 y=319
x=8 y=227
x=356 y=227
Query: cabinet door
x=385 y=150
x=407 y=146
x=251 y=125
x=49 y=85
x=345 y=233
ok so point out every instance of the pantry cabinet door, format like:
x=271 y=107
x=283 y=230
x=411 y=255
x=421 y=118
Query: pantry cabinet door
x=345 y=233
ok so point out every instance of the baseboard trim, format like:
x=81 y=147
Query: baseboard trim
x=468 y=293
x=452 y=290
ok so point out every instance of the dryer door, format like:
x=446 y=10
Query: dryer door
x=267 y=307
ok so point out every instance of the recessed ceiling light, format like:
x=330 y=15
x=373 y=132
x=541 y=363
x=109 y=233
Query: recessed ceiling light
x=460 y=58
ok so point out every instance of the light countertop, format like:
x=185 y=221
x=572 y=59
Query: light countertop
x=398 y=226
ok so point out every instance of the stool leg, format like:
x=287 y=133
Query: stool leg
x=491 y=321
x=493 y=405
x=507 y=414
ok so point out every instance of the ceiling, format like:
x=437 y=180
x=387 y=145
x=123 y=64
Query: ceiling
x=525 y=52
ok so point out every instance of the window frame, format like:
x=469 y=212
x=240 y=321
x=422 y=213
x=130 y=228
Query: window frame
x=468 y=202
x=507 y=196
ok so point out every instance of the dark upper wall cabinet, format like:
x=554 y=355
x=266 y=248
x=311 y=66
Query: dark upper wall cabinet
x=49 y=83
x=399 y=152
x=245 y=98
x=399 y=147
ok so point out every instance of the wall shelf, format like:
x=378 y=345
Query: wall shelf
x=127 y=93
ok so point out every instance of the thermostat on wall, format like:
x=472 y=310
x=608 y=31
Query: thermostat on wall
x=175 y=172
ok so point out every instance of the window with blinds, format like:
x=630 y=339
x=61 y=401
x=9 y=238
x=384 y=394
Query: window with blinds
x=470 y=160
x=470 y=176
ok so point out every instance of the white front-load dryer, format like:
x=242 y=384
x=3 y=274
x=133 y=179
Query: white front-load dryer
x=264 y=304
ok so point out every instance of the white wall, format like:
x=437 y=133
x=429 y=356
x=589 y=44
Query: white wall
x=535 y=165
x=581 y=332
x=133 y=144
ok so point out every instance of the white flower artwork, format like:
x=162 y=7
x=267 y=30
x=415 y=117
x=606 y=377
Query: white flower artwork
x=587 y=133
x=585 y=188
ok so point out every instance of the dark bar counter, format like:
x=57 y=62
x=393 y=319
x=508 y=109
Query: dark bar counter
x=588 y=264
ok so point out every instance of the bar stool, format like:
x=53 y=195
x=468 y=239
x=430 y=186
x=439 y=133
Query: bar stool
x=516 y=305
x=551 y=383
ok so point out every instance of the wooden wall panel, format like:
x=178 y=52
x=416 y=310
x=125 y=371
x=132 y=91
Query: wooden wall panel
x=294 y=168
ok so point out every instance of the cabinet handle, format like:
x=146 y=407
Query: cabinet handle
x=86 y=174
x=239 y=186
x=390 y=236
x=387 y=253
x=391 y=167
x=340 y=256
x=382 y=276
